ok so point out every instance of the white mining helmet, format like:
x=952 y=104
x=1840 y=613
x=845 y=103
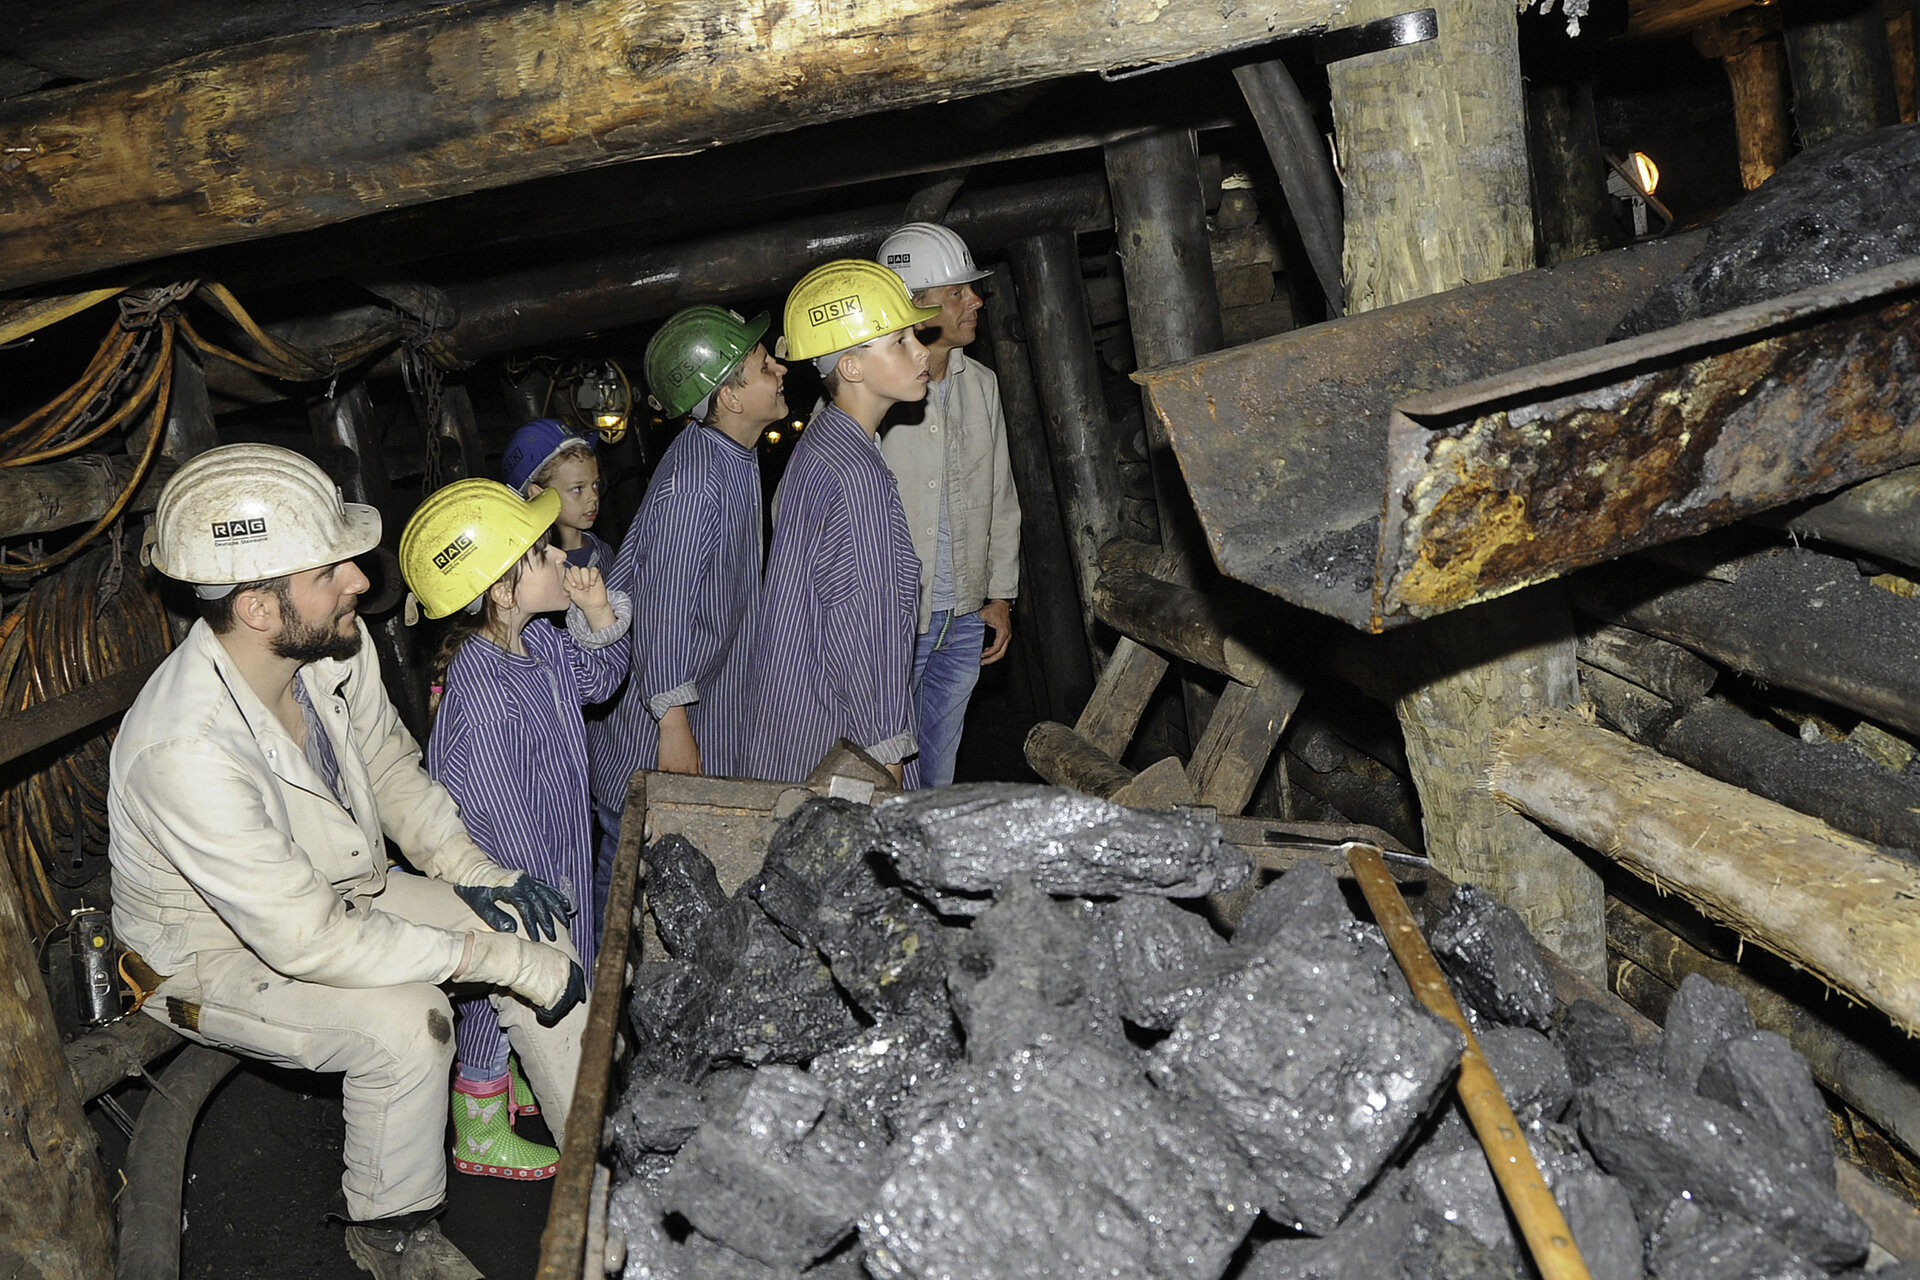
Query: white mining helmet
x=925 y=255
x=248 y=512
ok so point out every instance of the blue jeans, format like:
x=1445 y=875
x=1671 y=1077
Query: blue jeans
x=946 y=666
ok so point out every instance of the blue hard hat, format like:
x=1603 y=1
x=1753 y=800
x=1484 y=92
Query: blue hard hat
x=532 y=446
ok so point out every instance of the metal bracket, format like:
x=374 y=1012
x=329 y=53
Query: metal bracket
x=1416 y=27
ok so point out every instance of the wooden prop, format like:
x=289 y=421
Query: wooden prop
x=1543 y=1226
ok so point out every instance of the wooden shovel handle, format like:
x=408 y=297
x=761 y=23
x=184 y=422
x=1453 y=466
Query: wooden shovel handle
x=1502 y=1139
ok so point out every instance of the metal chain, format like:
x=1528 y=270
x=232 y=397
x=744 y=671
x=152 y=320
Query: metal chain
x=424 y=380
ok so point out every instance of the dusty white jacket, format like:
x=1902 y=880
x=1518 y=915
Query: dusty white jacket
x=966 y=439
x=223 y=836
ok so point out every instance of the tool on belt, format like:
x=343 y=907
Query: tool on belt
x=144 y=980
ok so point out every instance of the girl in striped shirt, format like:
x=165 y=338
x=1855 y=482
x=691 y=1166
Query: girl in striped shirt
x=509 y=742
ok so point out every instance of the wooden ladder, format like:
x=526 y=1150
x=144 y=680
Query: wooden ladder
x=1160 y=620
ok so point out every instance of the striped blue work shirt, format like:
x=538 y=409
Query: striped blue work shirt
x=833 y=646
x=509 y=744
x=691 y=562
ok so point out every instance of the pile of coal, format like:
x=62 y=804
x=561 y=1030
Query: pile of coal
x=977 y=1032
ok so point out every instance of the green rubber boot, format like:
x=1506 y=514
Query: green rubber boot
x=520 y=1099
x=484 y=1142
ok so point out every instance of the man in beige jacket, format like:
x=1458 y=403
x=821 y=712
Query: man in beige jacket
x=956 y=485
x=253 y=788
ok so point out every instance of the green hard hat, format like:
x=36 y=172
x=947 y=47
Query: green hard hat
x=693 y=353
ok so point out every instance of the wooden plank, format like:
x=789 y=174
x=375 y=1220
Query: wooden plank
x=1120 y=698
x=1239 y=740
x=1826 y=901
x=323 y=126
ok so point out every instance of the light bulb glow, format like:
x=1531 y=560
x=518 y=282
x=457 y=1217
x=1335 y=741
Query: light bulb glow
x=1645 y=172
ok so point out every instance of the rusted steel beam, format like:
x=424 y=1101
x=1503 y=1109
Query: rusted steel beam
x=1283 y=442
x=1522 y=477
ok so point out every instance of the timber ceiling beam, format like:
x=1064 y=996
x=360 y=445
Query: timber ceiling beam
x=325 y=126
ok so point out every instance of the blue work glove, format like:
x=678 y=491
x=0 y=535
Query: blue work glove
x=541 y=905
x=576 y=992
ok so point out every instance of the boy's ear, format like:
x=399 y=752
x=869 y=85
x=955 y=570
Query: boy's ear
x=849 y=372
x=534 y=490
x=728 y=397
x=502 y=594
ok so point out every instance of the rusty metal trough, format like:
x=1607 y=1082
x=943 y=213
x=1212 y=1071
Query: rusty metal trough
x=1358 y=468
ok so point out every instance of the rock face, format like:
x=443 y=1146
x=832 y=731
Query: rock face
x=1844 y=207
x=1006 y=1048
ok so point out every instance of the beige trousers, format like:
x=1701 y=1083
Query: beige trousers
x=393 y=1044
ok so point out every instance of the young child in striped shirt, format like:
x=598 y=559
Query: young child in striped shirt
x=546 y=455
x=509 y=743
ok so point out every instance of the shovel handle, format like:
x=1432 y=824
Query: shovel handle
x=1543 y=1226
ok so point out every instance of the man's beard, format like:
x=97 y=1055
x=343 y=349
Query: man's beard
x=303 y=642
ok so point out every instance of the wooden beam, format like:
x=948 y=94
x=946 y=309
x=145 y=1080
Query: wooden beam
x=55 y=1217
x=1820 y=899
x=60 y=495
x=1792 y=617
x=324 y=126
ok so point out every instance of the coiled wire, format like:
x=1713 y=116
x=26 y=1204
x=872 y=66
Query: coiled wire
x=95 y=616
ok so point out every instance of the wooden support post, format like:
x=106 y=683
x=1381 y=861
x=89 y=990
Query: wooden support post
x=1173 y=312
x=1434 y=152
x=1051 y=628
x=1066 y=372
x=54 y=1217
x=1173 y=306
x=1569 y=173
x=1470 y=673
x=350 y=451
x=1826 y=901
x=1127 y=685
x=1435 y=156
x=1842 y=69
x=1749 y=46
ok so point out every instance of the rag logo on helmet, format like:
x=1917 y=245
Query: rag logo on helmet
x=900 y=259
x=838 y=309
x=444 y=558
x=247 y=529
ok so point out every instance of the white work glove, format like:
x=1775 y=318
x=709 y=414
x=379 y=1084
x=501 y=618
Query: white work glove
x=545 y=977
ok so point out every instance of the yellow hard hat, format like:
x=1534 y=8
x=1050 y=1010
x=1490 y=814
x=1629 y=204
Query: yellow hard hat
x=465 y=536
x=843 y=304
